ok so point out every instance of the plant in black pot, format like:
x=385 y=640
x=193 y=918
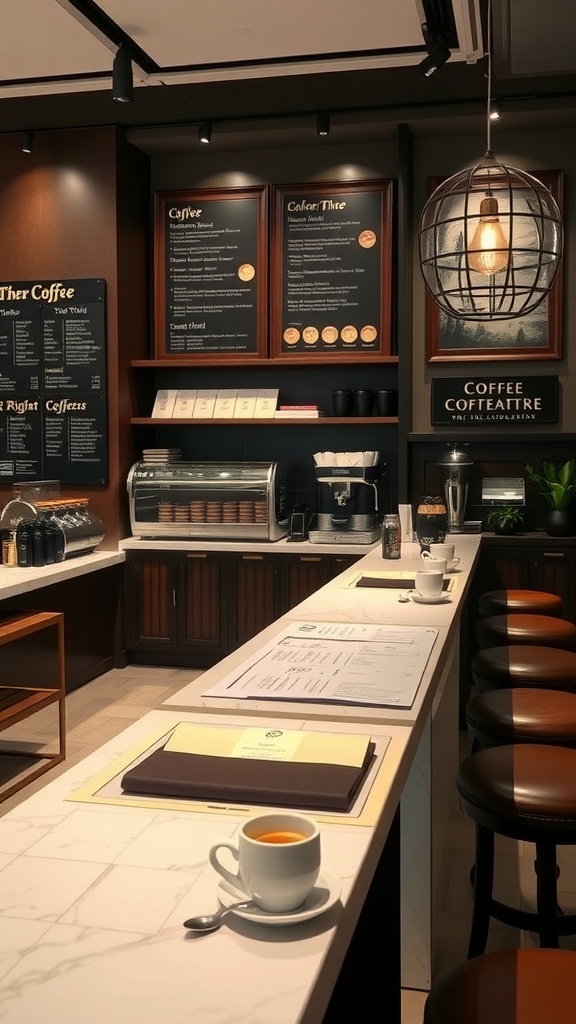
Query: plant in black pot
x=506 y=519
x=557 y=485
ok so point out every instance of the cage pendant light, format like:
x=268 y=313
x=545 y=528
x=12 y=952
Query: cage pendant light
x=490 y=238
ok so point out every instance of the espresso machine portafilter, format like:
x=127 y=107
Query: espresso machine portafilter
x=455 y=469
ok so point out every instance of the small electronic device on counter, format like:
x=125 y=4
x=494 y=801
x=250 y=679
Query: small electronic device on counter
x=210 y=500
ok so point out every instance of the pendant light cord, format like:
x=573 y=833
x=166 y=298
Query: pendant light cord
x=489 y=55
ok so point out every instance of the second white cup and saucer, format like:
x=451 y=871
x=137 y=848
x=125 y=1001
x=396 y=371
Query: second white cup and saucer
x=443 y=553
x=429 y=585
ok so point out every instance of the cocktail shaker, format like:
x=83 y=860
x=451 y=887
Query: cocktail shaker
x=455 y=469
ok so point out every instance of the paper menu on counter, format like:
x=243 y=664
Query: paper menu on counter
x=266 y=400
x=204 y=405
x=164 y=404
x=335 y=663
x=184 y=405
x=225 y=402
x=245 y=404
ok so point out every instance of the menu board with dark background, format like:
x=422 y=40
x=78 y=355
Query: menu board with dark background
x=211 y=273
x=332 y=270
x=53 y=410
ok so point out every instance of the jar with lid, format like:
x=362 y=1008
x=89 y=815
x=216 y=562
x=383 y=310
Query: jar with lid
x=431 y=521
x=391 y=536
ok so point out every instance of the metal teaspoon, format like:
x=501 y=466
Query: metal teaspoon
x=210 y=922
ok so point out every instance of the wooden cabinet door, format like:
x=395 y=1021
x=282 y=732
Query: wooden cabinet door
x=150 y=600
x=202 y=611
x=504 y=568
x=256 y=599
x=303 y=575
x=553 y=571
x=341 y=562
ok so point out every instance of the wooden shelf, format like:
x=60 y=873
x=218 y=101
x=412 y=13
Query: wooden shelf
x=19 y=762
x=348 y=421
x=181 y=363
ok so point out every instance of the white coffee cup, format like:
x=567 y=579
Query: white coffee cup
x=445 y=551
x=433 y=564
x=278 y=858
x=429 y=583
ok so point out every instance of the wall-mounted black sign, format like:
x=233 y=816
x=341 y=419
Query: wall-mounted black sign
x=211 y=272
x=53 y=421
x=472 y=401
x=331 y=270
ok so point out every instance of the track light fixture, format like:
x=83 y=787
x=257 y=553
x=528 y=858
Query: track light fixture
x=205 y=133
x=323 y=124
x=437 y=52
x=122 y=76
x=27 y=142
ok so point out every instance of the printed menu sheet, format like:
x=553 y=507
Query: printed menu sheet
x=335 y=663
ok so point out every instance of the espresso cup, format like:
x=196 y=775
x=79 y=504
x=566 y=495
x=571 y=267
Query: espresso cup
x=278 y=858
x=429 y=584
x=432 y=564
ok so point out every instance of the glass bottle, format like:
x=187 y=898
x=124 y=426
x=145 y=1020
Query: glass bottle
x=24 y=543
x=391 y=536
x=37 y=543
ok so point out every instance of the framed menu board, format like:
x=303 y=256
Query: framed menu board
x=331 y=271
x=210 y=274
x=53 y=407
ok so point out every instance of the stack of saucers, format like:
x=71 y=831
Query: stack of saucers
x=160 y=456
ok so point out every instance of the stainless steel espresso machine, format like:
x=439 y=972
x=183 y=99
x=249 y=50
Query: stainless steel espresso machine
x=347 y=502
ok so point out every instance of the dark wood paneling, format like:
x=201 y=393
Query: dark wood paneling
x=255 y=595
x=200 y=601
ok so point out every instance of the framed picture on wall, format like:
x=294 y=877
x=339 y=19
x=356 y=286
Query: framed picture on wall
x=537 y=335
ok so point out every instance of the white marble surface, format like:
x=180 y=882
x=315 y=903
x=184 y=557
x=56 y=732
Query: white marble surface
x=15 y=580
x=283 y=546
x=338 y=602
x=92 y=900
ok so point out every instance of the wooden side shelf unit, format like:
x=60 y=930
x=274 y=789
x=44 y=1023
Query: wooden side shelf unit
x=32 y=678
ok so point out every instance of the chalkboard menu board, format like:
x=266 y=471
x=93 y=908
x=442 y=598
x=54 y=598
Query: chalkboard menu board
x=331 y=273
x=53 y=419
x=210 y=265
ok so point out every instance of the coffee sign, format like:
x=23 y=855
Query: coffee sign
x=470 y=401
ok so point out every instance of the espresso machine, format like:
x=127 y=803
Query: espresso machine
x=455 y=468
x=347 y=503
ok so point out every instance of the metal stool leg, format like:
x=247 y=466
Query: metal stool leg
x=483 y=882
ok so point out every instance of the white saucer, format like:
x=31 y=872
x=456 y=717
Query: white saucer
x=421 y=599
x=323 y=896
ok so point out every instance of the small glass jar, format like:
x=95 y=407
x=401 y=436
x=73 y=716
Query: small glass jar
x=431 y=522
x=391 y=536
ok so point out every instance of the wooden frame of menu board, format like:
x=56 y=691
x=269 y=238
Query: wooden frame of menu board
x=211 y=274
x=332 y=271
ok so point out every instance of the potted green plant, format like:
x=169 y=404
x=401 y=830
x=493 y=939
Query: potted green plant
x=506 y=519
x=557 y=485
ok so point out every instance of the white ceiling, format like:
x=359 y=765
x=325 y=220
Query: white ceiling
x=50 y=46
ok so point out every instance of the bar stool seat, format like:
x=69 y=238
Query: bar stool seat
x=524 y=665
x=520 y=628
x=526 y=791
x=510 y=986
x=522 y=716
x=533 y=602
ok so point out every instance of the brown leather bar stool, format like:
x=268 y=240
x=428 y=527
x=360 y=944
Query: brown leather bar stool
x=520 y=628
x=531 y=602
x=526 y=791
x=522 y=716
x=524 y=665
x=511 y=986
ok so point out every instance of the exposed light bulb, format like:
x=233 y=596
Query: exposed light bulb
x=488 y=250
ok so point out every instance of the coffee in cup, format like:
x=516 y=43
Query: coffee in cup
x=429 y=583
x=445 y=551
x=278 y=858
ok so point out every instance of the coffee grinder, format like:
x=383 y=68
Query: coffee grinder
x=455 y=469
x=347 y=502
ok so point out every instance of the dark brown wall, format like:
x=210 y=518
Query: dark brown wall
x=77 y=207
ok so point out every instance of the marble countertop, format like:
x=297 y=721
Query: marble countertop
x=340 y=601
x=92 y=900
x=283 y=546
x=15 y=580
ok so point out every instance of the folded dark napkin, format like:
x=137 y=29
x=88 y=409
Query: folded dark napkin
x=391 y=584
x=321 y=787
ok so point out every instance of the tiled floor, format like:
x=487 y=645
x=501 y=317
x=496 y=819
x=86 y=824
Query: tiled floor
x=104 y=707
